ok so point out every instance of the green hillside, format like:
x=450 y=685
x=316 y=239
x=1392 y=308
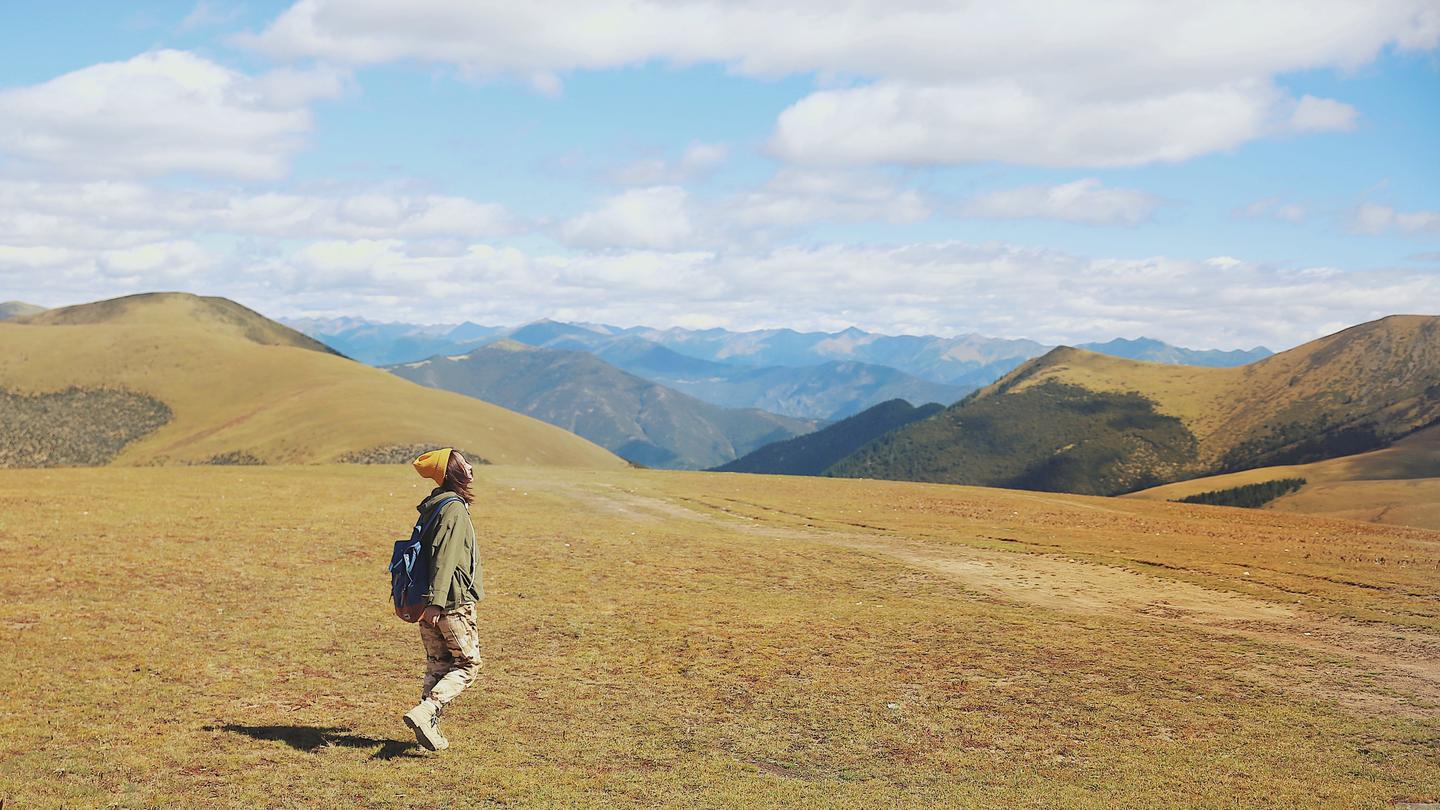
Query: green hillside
x=813 y=453
x=1053 y=437
x=1076 y=421
x=639 y=420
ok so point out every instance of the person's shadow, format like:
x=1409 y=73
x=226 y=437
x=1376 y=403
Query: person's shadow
x=309 y=738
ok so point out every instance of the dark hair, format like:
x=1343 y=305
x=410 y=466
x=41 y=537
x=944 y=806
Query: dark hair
x=456 y=479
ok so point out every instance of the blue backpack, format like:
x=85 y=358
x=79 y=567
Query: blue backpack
x=410 y=567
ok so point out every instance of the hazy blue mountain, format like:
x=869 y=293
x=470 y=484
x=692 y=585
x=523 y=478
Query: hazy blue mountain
x=808 y=374
x=814 y=453
x=655 y=362
x=972 y=360
x=637 y=419
x=382 y=344
x=1155 y=351
x=557 y=335
x=833 y=390
x=10 y=310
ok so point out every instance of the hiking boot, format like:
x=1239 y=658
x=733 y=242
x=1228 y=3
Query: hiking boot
x=424 y=720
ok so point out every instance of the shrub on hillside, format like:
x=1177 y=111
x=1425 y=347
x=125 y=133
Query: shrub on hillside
x=1248 y=496
x=76 y=427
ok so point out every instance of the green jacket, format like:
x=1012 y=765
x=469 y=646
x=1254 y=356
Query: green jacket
x=454 y=560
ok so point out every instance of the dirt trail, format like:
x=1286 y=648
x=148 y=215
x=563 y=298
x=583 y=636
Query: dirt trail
x=1366 y=667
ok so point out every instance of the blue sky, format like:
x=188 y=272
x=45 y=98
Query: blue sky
x=1040 y=170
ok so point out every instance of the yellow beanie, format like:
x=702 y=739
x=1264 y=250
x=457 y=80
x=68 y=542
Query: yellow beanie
x=432 y=465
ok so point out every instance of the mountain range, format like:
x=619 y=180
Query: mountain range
x=812 y=375
x=637 y=419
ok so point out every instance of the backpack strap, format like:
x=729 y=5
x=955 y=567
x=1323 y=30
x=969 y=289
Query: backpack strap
x=435 y=515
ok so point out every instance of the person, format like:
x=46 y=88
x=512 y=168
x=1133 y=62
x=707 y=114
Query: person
x=447 y=625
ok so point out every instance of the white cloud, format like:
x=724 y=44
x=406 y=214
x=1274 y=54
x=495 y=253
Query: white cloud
x=698 y=159
x=798 y=197
x=1087 y=201
x=162 y=112
x=1273 y=208
x=895 y=122
x=949 y=287
x=912 y=39
x=73 y=275
x=1313 y=114
x=123 y=213
x=1027 y=81
x=1375 y=219
x=655 y=217
x=667 y=217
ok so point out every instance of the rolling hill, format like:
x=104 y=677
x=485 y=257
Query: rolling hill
x=639 y=420
x=813 y=453
x=1077 y=421
x=12 y=310
x=217 y=315
x=1399 y=484
x=179 y=379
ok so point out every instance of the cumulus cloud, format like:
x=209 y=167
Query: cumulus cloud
x=895 y=122
x=800 y=197
x=53 y=275
x=1033 y=82
x=668 y=217
x=950 y=287
x=1086 y=201
x=122 y=213
x=1313 y=114
x=1375 y=219
x=159 y=113
x=911 y=39
x=655 y=217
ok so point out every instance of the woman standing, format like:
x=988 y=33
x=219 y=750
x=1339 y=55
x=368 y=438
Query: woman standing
x=447 y=625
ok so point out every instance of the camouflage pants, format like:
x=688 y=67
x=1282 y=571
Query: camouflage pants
x=452 y=654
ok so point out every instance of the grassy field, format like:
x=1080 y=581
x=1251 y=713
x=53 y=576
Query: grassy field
x=220 y=637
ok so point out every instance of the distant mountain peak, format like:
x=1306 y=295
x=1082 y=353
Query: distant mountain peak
x=11 y=310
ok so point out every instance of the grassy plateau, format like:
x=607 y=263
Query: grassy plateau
x=221 y=637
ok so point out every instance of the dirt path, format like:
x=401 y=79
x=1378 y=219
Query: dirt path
x=1365 y=667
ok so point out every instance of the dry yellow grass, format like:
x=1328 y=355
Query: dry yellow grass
x=279 y=403
x=220 y=637
x=1399 y=484
x=217 y=315
x=1413 y=502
